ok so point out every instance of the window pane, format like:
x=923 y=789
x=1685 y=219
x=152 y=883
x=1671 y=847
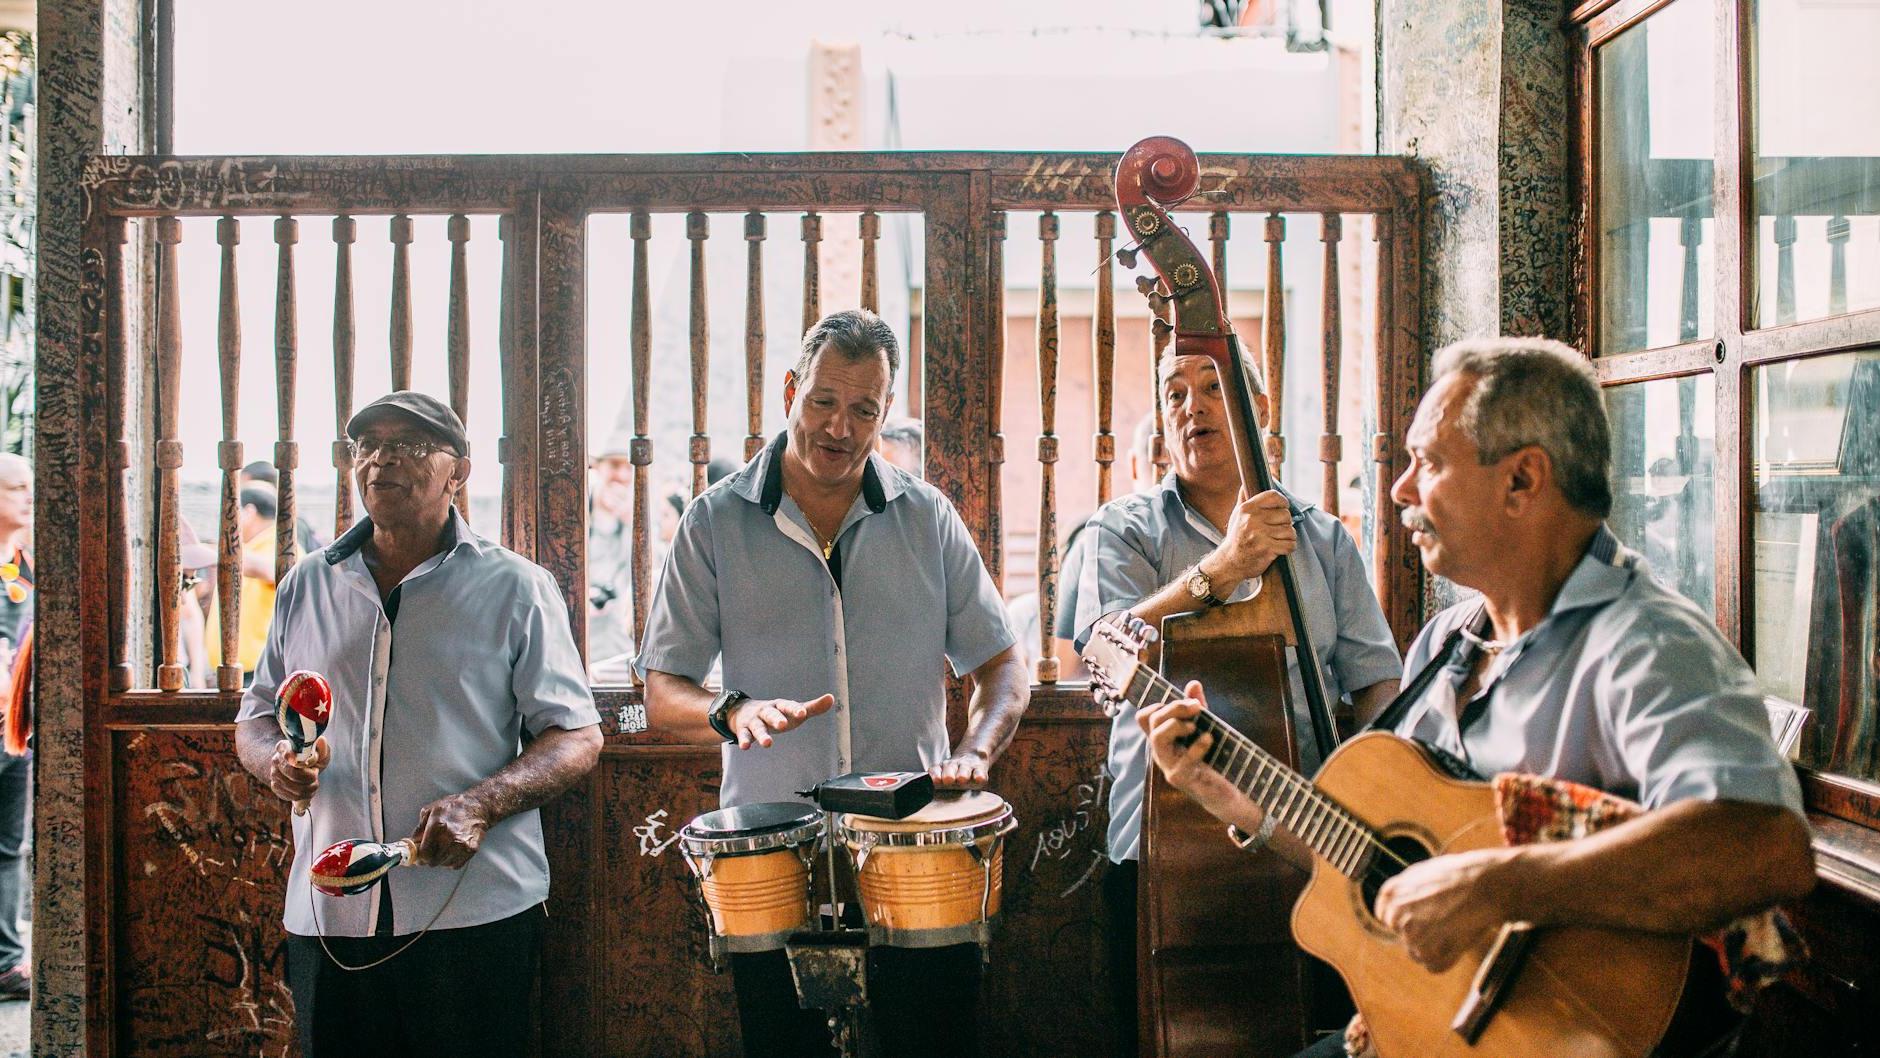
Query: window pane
x=1654 y=212
x=1664 y=443
x=1817 y=190
x=1817 y=549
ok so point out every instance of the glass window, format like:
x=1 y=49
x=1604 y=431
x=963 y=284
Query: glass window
x=1817 y=166
x=1816 y=564
x=1664 y=443
x=1655 y=220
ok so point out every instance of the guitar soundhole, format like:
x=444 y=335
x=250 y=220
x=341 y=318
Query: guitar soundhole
x=1401 y=851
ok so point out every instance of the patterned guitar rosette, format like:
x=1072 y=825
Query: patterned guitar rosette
x=355 y=865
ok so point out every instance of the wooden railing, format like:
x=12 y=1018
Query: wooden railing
x=185 y=846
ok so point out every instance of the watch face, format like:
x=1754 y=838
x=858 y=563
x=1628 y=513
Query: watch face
x=1198 y=585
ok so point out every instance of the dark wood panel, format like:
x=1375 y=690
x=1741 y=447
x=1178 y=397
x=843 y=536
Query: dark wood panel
x=202 y=854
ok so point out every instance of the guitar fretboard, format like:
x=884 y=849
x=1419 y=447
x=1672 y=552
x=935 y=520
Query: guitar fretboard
x=1290 y=798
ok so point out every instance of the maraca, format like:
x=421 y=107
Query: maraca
x=302 y=707
x=354 y=865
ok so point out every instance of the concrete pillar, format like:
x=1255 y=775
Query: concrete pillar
x=1482 y=91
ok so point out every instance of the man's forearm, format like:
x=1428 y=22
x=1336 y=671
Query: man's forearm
x=677 y=707
x=1001 y=691
x=255 y=739
x=554 y=761
x=1685 y=868
x=1367 y=703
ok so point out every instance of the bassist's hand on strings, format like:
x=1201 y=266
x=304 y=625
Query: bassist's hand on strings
x=1179 y=753
x=1258 y=532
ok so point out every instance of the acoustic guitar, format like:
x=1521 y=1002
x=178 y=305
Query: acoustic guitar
x=1380 y=804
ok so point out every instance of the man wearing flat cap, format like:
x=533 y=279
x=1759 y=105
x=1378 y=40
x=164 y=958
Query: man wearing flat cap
x=444 y=651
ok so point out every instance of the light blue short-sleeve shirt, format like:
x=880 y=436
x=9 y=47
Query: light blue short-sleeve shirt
x=424 y=707
x=745 y=582
x=1136 y=545
x=1625 y=686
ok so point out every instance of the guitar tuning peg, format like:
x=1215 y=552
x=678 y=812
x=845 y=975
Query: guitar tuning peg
x=1126 y=257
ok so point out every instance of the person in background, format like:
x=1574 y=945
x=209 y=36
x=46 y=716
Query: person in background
x=903 y=442
x=16 y=615
x=197 y=560
x=610 y=558
x=308 y=538
x=255 y=522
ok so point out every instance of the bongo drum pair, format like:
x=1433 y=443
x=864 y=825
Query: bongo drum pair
x=929 y=880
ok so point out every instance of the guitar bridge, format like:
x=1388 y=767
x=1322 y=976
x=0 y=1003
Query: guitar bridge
x=1493 y=980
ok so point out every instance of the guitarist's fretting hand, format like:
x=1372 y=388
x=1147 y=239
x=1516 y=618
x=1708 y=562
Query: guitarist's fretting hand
x=1169 y=727
x=1444 y=907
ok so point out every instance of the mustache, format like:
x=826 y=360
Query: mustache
x=1416 y=521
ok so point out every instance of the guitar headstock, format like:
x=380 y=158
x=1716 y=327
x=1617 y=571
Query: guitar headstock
x=1112 y=655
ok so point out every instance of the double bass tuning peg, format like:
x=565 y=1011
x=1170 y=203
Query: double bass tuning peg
x=1126 y=257
x=1160 y=326
x=1146 y=285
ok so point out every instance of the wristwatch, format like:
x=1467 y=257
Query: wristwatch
x=719 y=715
x=1200 y=586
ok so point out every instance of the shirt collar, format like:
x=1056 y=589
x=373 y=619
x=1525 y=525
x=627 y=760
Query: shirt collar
x=1601 y=575
x=761 y=480
x=457 y=533
x=1170 y=493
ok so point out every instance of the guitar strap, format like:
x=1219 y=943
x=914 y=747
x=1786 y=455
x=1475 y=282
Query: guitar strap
x=1394 y=712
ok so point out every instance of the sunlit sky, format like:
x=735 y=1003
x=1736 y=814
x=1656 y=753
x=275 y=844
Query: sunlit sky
x=481 y=77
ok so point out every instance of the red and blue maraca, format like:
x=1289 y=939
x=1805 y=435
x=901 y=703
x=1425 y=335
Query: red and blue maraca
x=302 y=707
x=355 y=865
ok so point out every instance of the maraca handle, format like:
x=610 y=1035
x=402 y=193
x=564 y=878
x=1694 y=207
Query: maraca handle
x=305 y=757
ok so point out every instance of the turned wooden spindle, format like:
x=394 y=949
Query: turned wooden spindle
x=286 y=365
x=994 y=323
x=1331 y=445
x=1275 y=346
x=457 y=334
x=753 y=333
x=870 y=226
x=1047 y=447
x=117 y=405
x=170 y=671
x=812 y=270
x=698 y=229
x=401 y=302
x=641 y=450
x=1103 y=358
x=228 y=566
x=345 y=232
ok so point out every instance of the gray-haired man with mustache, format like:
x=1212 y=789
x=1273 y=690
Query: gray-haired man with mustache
x=1575 y=664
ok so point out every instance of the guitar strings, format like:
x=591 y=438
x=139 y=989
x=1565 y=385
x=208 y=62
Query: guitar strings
x=1367 y=837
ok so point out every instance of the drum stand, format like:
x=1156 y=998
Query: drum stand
x=830 y=968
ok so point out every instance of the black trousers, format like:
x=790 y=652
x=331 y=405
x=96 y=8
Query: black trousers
x=1119 y=920
x=925 y=1002
x=456 y=993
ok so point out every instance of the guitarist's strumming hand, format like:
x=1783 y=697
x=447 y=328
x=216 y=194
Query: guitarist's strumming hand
x=1445 y=907
x=1172 y=741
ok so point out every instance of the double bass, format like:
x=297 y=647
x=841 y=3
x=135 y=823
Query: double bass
x=1220 y=975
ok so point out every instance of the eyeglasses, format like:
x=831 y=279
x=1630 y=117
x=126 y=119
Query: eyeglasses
x=369 y=447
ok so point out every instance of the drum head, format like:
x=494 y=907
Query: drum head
x=946 y=811
x=770 y=817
